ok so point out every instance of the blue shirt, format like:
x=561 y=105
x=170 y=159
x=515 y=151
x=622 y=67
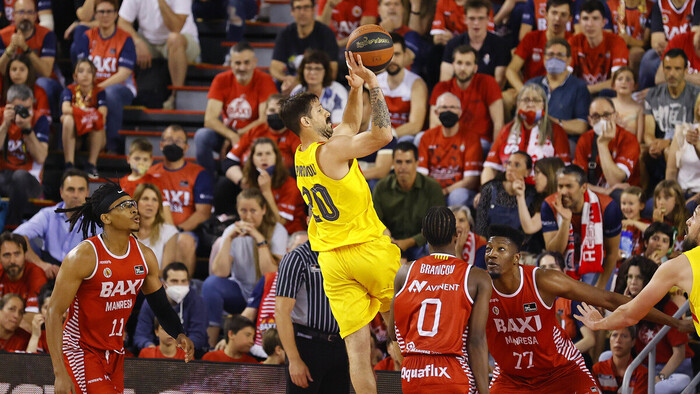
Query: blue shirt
x=53 y=229
x=569 y=101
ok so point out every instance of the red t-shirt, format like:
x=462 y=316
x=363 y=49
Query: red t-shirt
x=608 y=380
x=507 y=143
x=449 y=159
x=451 y=17
x=17 y=343
x=635 y=20
x=154 y=352
x=286 y=141
x=27 y=287
x=178 y=187
x=685 y=42
x=597 y=64
x=291 y=206
x=386 y=364
x=220 y=355
x=676 y=21
x=664 y=349
x=531 y=50
x=624 y=149
x=240 y=103
x=129 y=187
x=347 y=14
x=476 y=99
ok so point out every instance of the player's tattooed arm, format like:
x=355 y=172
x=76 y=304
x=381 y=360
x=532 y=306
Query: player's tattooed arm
x=380 y=112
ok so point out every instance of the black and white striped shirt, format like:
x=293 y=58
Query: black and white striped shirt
x=300 y=278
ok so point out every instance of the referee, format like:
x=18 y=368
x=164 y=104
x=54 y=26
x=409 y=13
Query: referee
x=318 y=361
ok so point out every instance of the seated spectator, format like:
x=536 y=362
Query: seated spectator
x=84 y=109
x=26 y=36
x=545 y=185
x=609 y=373
x=52 y=228
x=669 y=207
x=165 y=30
x=292 y=42
x=20 y=277
x=391 y=15
x=391 y=361
x=315 y=76
x=188 y=305
x=630 y=20
x=37 y=342
x=592 y=44
x=630 y=114
x=633 y=224
x=344 y=16
x=25 y=136
x=187 y=189
x=686 y=43
x=448 y=154
x=568 y=96
x=273 y=346
x=44 y=13
x=590 y=253
x=239 y=11
x=532 y=131
x=479 y=95
x=402 y=199
x=422 y=13
x=140 y=159
x=249 y=248
x=239 y=338
x=657 y=242
x=167 y=346
x=449 y=21
x=154 y=231
x=261 y=310
x=498 y=202
x=20 y=71
x=13 y=339
x=405 y=92
x=470 y=246
x=112 y=51
x=609 y=152
x=673 y=356
x=492 y=53
x=264 y=170
x=236 y=104
x=683 y=159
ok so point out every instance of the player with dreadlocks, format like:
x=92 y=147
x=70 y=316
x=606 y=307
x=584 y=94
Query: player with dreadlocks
x=439 y=362
x=98 y=283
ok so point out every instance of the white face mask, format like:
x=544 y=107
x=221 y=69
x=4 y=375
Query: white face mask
x=177 y=293
x=599 y=127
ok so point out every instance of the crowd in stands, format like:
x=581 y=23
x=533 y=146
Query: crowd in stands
x=577 y=122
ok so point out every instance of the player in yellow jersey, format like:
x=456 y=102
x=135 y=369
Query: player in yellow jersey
x=358 y=261
x=682 y=271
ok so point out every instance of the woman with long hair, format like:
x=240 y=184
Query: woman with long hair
x=154 y=232
x=669 y=207
x=265 y=170
x=545 y=185
x=316 y=76
x=470 y=246
x=12 y=337
x=19 y=71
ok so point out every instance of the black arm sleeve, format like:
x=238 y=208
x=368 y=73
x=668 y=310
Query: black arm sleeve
x=165 y=313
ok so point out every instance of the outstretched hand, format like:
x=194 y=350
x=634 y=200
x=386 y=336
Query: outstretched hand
x=357 y=72
x=187 y=345
x=588 y=315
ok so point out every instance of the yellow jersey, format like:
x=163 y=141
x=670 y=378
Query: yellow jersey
x=694 y=296
x=343 y=212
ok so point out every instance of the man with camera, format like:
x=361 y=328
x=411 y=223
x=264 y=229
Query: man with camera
x=24 y=145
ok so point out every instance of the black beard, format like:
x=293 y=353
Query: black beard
x=689 y=244
x=327 y=132
x=495 y=275
x=395 y=72
x=467 y=79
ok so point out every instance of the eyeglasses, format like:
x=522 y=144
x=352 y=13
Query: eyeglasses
x=605 y=115
x=302 y=7
x=128 y=204
x=25 y=13
x=314 y=69
x=105 y=12
x=529 y=100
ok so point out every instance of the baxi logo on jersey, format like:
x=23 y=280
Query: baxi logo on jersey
x=519 y=325
x=120 y=288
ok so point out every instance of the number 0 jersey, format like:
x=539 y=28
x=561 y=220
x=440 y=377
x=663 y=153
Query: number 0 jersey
x=343 y=212
x=432 y=310
x=104 y=300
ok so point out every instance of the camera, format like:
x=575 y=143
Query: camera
x=22 y=111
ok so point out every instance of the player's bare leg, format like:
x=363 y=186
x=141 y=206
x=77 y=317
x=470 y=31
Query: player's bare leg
x=361 y=373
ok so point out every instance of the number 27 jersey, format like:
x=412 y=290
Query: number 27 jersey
x=343 y=212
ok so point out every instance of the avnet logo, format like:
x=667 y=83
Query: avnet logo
x=417 y=287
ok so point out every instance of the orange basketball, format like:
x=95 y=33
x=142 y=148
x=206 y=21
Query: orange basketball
x=373 y=44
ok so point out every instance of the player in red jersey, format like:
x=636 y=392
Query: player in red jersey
x=432 y=362
x=532 y=352
x=99 y=280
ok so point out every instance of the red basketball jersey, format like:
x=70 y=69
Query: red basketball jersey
x=177 y=187
x=398 y=100
x=106 y=54
x=523 y=334
x=676 y=21
x=432 y=310
x=104 y=300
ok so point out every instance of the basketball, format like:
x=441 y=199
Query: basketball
x=373 y=44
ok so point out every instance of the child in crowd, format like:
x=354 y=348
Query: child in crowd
x=37 y=342
x=84 y=108
x=669 y=207
x=166 y=349
x=240 y=334
x=392 y=362
x=273 y=347
x=140 y=159
x=633 y=225
x=20 y=71
x=630 y=114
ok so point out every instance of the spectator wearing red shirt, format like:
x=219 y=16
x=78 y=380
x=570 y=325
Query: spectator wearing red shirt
x=236 y=103
x=596 y=53
x=344 y=16
x=272 y=345
x=140 y=159
x=240 y=332
x=609 y=373
x=448 y=154
x=608 y=152
x=689 y=43
x=391 y=14
x=479 y=94
x=167 y=347
x=12 y=337
x=528 y=57
x=17 y=275
x=631 y=21
x=451 y=21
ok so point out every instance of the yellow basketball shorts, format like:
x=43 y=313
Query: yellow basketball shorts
x=359 y=281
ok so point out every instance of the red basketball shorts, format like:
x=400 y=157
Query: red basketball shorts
x=95 y=371
x=435 y=374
